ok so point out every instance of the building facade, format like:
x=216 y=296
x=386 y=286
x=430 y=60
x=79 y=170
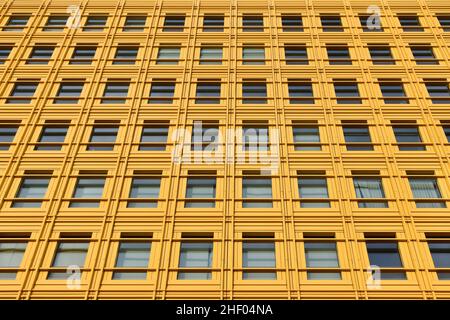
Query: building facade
x=264 y=149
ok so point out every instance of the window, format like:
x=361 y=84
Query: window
x=357 y=137
x=370 y=23
x=256 y=191
x=168 y=55
x=295 y=54
x=195 y=256
x=439 y=91
x=95 y=23
x=446 y=129
x=213 y=23
x=162 y=92
x=253 y=55
x=88 y=190
x=144 y=192
x=83 y=55
x=300 y=92
x=445 y=22
x=68 y=93
x=255 y=138
x=258 y=258
x=423 y=55
x=22 y=93
x=210 y=55
x=5 y=51
x=331 y=23
x=381 y=55
x=386 y=256
x=12 y=250
x=306 y=138
x=16 y=23
x=208 y=93
x=31 y=191
x=254 y=92
x=7 y=135
x=321 y=256
x=408 y=138
x=339 y=55
x=426 y=192
x=205 y=136
x=132 y=257
x=393 y=92
x=252 y=23
x=115 y=92
x=56 y=23
x=41 y=55
x=200 y=190
x=52 y=137
x=126 y=55
x=69 y=252
x=154 y=137
x=371 y=190
x=292 y=23
x=174 y=24
x=313 y=190
x=103 y=138
x=410 y=23
x=134 y=24
x=440 y=252
x=347 y=92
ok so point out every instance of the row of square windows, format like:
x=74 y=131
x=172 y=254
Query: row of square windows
x=200 y=189
x=320 y=256
x=207 y=136
x=208 y=91
x=212 y=54
x=216 y=22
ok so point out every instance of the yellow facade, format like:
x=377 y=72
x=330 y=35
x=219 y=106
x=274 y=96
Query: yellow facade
x=229 y=224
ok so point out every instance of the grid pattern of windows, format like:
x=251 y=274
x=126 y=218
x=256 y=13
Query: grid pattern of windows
x=103 y=165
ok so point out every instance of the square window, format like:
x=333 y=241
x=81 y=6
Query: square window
x=154 y=138
x=56 y=23
x=68 y=93
x=292 y=23
x=208 y=93
x=252 y=23
x=51 y=138
x=213 y=23
x=16 y=23
x=195 y=255
x=253 y=55
x=210 y=55
x=126 y=55
x=331 y=23
x=134 y=24
x=162 y=92
x=174 y=24
x=254 y=92
x=168 y=55
x=41 y=55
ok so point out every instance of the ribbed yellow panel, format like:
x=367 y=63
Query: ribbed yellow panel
x=228 y=221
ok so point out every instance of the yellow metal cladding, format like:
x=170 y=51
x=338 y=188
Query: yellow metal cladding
x=283 y=219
